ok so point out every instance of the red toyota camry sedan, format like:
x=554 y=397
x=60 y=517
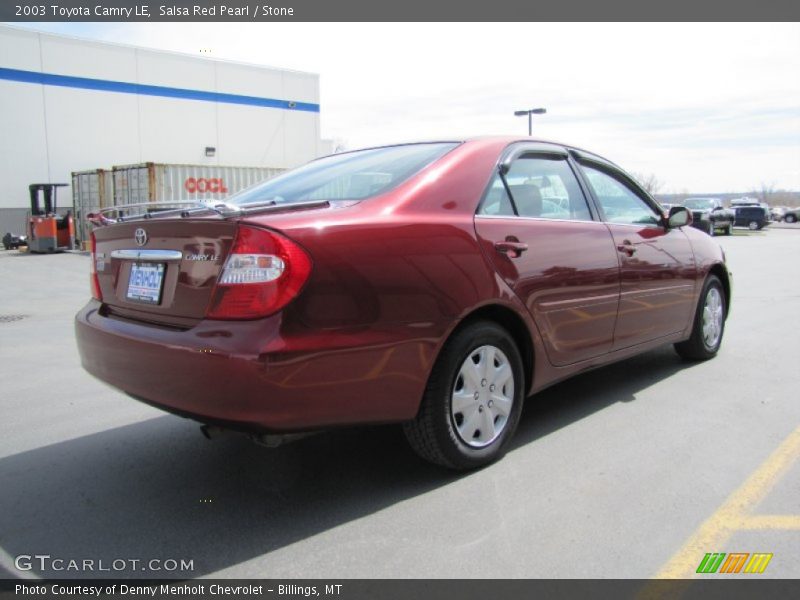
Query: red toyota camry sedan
x=436 y=285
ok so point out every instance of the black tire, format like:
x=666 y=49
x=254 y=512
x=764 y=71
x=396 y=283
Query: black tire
x=729 y=229
x=710 y=230
x=697 y=347
x=790 y=218
x=434 y=434
x=753 y=226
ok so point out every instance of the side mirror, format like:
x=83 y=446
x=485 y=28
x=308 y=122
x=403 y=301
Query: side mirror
x=679 y=216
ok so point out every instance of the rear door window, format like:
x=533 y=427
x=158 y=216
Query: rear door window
x=536 y=186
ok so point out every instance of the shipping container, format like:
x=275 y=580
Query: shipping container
x=91 y=191
x=153 y=182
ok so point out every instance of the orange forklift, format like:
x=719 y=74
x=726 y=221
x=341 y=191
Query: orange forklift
x=47 y=230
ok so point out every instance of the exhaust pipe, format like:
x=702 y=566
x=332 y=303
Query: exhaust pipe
x=272 y=440
x=212 y=432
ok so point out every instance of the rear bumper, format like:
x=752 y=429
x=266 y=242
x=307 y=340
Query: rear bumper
x=251 y=376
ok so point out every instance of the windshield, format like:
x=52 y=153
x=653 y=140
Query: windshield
x=349 y=176
x=701 y=203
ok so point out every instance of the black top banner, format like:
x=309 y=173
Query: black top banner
x=397 y=10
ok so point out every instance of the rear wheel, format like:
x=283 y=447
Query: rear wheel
x=729 y=229
x=473 y=399
x=752 y=225
x=709 y=323
x=790 y=218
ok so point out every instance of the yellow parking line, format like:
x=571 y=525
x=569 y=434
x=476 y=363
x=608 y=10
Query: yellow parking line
x=734 y=512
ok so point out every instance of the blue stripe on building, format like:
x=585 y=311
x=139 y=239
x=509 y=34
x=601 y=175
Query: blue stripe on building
x=104 y=85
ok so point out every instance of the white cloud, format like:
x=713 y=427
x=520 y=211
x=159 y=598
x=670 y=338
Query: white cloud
x=706 y=107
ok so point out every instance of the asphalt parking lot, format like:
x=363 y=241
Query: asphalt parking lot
x=631 y=471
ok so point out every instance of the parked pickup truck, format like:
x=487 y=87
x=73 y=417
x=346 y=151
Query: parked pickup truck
x=709 y=215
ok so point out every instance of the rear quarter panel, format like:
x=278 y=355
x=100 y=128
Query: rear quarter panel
x=393 y=276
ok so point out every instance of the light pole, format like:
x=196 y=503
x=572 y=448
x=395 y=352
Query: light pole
x=530 y=113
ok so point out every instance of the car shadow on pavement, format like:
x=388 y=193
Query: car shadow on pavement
x=580 y=396
x=157 y=489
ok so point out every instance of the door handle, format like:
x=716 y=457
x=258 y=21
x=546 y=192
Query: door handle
x=626 y=247
x=512 y=249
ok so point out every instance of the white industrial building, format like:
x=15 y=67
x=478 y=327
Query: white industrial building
x=72 y=105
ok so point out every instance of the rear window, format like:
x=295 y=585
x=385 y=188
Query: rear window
x=349 y=176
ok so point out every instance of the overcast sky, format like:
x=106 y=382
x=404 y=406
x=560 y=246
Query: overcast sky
x=704 y=107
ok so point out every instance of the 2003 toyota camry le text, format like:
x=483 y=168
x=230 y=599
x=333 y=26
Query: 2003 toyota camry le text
x=436 y=285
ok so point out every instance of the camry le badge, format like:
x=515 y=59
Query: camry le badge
x=140 y=235
x=203 y=257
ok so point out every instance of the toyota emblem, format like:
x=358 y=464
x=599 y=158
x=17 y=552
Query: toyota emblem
x=140 y=236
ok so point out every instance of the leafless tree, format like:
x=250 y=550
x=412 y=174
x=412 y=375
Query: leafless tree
x=649 y=182
x=765 y=192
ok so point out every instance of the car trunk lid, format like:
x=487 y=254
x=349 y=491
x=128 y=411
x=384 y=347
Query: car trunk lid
x=162 y=270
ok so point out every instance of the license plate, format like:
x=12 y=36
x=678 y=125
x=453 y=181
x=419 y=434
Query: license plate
x=145 y=282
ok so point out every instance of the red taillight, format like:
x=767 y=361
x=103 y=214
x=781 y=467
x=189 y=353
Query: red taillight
x=94 y=282
x=263 y=273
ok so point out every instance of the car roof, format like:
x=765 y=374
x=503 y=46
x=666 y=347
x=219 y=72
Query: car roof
x=490 y=140
x=505 y=140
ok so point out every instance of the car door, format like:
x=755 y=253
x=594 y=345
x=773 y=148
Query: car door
x=547 y=243
x=657 y=264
